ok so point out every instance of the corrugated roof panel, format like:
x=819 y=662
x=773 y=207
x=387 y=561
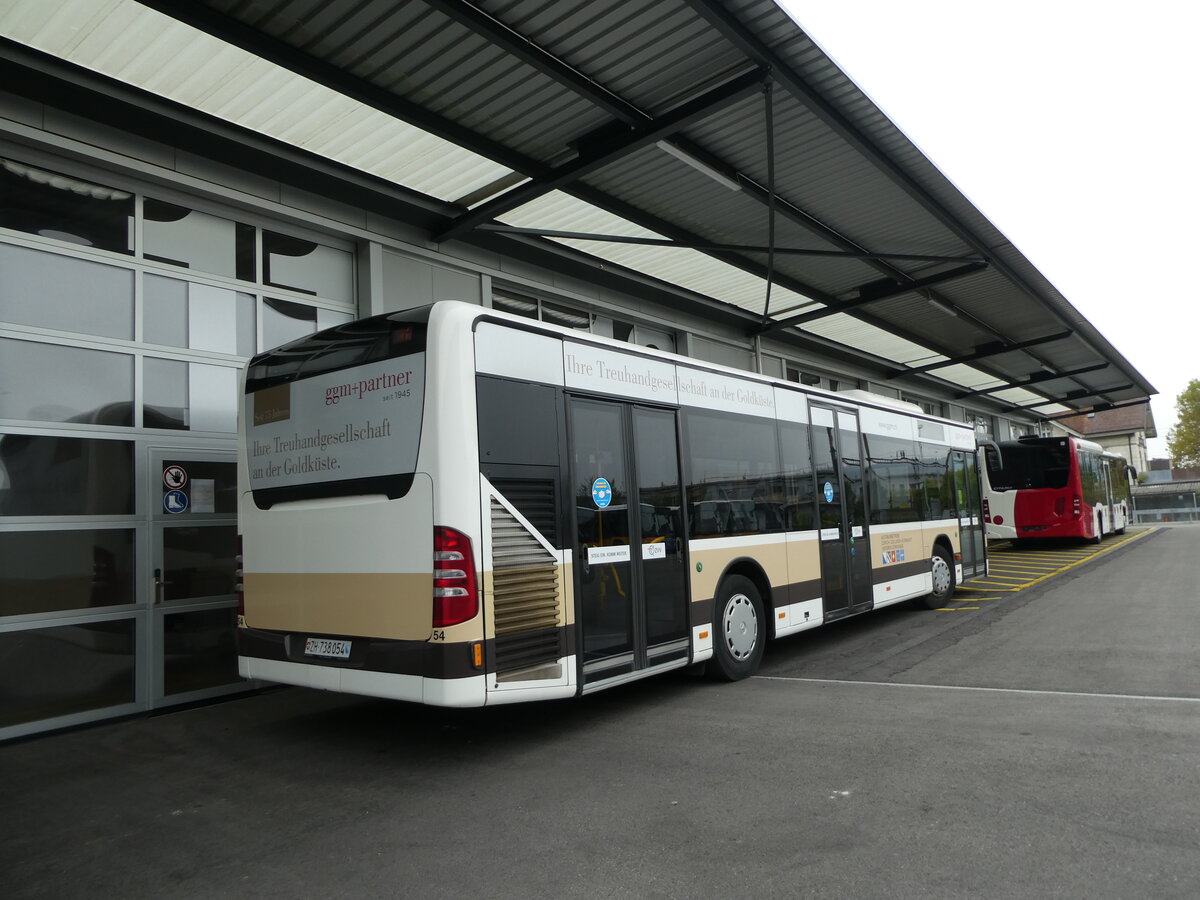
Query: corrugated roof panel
x=686 y=268
x=127 y=41
x=851 y=332
x=967 y=376
x=1019 y=396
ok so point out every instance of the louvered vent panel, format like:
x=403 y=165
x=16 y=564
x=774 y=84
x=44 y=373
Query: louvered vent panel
x=525 y=595
x=534 y=497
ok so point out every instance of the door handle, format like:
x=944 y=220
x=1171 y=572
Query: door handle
x=160 y=586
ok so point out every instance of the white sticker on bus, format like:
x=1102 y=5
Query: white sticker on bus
x=654 y=551
x=613 y=554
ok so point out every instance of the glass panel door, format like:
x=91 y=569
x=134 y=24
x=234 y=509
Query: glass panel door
x=629 y=553
x=192 y=649
x=970 y=512
x=660 y=530
x=841 y=503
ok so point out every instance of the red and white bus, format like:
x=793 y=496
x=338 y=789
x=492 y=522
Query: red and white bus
x=1055 y=487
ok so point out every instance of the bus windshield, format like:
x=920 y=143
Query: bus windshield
x=338 y=412
x=1031 y=465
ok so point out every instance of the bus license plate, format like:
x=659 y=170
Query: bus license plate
x=327 y=647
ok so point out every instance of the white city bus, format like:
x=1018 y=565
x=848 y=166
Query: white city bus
x=460 y=507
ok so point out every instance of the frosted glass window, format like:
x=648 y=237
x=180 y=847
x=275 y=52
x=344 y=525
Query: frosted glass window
x=198 y=316
x=52 y=383
x=164 y=393
x=307 y=267
x=195 y=240
x=327 y=318
x=189 y=396
x=285 y=321
x=212 y=397
x=46 y=290
x=164 y=311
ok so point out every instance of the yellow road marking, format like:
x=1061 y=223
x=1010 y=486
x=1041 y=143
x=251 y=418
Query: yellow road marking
x=1019 y=569
x=1049 y=563
x=1080 y=560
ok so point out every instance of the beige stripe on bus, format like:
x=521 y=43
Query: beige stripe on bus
x=397 y=606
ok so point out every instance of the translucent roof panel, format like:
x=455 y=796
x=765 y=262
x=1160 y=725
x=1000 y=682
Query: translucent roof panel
x=680 y=266
x=855 y=333
x=1019 y=396
x=151 y=51
x=968 y=377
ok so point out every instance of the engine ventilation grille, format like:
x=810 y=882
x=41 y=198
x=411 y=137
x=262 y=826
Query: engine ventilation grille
x=525 y=595
x=534 y=499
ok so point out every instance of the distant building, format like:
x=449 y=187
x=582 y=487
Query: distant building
x=1123 y=430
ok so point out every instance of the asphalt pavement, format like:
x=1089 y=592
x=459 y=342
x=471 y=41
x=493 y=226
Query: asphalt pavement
x=1045 y=744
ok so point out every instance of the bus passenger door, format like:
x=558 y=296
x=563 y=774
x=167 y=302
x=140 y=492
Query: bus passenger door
x=630 y=559
x=972 y=544
x=841 y=501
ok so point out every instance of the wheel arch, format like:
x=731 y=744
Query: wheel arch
x=943 y=540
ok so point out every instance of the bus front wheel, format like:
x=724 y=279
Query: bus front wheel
x=739 y=630
x=941 y=567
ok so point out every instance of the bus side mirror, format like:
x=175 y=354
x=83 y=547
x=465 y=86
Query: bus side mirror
x=1133 y=473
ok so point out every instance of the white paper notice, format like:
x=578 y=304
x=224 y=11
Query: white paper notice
x=601 y=555
x=204 y=495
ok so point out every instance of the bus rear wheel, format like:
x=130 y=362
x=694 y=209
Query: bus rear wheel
x=739 y=630
x=941 y=567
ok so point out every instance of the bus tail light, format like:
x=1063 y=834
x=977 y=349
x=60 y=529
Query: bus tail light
x=987 y=511
x=1077 y=506
x=455 y=598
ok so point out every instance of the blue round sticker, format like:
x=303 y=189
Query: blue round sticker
x=601 y=492
x=175 y=501
x=828 y=492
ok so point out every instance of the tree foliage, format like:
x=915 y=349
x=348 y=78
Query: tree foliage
x=1183 y=441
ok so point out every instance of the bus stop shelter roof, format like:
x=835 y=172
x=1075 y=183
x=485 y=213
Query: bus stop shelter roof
x=707 y=151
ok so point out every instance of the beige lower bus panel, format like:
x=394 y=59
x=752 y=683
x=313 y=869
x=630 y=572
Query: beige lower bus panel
x=396 y=606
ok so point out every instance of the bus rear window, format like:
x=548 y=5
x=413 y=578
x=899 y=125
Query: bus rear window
x=353 y=344
x=336 y=413
x=1030 y=465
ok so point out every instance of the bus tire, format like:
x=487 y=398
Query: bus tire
x=739 y=630
x=941 y=566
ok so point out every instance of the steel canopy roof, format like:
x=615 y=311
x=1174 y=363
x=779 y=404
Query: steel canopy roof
x=715 y=140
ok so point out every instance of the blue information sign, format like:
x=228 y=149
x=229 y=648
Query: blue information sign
x=601 y=492
x=175 y=501
x=828 y=492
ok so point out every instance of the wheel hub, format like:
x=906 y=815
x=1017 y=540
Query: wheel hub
x=741 y=626
x=941 y=575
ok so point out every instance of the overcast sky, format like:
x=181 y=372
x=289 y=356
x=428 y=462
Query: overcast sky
x=1072 y=125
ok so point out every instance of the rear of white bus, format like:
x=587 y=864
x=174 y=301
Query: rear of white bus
x=350 y=581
